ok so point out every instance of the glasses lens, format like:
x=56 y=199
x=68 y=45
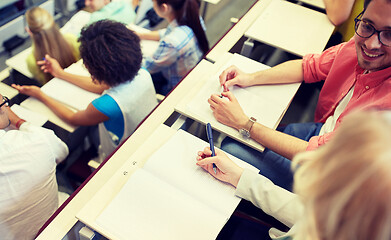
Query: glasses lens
x=364 y=29
x=385 y=37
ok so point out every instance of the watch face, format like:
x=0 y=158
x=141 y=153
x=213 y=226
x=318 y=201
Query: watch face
x=244 y=133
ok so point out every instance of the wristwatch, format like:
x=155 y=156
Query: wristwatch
x=245 y=132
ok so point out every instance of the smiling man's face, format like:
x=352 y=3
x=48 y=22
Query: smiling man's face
x=372 y=55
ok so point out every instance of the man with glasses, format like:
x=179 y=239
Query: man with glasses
x=28 y=186
x=356 y=75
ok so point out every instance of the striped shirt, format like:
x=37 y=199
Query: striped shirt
x=177 y=54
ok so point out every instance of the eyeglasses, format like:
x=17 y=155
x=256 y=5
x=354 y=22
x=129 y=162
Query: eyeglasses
x=6 y=102
x=366 y=30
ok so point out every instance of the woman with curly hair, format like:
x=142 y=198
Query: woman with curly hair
x=112 y=55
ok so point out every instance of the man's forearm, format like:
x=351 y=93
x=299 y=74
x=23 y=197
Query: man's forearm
x=287 y=72
x=281 y=143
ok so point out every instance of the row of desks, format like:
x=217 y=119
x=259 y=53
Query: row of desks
x=261 y=23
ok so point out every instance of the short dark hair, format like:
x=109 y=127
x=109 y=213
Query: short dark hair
x=110 y=51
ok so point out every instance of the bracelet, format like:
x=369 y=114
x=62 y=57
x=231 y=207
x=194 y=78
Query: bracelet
x=19 y=122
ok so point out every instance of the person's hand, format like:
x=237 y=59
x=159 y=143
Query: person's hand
x=227 y=170
x=234 y=76
x=50 y=65
x=135 y=3
x=32 y=91
x=227 y=110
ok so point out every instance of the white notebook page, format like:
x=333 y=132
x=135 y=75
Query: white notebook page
x=147 y=208
x=171 y=192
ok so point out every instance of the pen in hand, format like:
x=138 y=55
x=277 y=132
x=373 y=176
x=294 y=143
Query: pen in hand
x=210 y=139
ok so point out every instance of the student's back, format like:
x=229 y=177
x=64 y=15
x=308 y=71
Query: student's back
x=134 y=100
x=28 y=186
x=47 y=39
x=181 y=45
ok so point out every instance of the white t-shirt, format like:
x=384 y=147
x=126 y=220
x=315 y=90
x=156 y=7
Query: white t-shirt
x=28 y=186
x=331 y=121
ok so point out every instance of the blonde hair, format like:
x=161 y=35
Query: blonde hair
x=346 y=184
x=47 y=38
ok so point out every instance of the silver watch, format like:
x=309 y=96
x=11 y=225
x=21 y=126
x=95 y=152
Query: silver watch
x=245 y=131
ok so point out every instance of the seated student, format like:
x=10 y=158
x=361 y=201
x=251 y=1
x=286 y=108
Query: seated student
x=342 y=14
x=47 y=39
x=120 y=11
x=146 y=16
x=28 y=185
x=112 y=55
x=181 y=45
x=343 y=188
x=356 y=75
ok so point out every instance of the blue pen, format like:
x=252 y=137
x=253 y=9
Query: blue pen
x=210 y=139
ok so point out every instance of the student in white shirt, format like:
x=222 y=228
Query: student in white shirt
x=28 y=185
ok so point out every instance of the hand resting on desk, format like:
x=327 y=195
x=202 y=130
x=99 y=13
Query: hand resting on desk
x=227 y=170
x=227 y=110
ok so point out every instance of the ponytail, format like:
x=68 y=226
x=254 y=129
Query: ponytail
x=187 y=13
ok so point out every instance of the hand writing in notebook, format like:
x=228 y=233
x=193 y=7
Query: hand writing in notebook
x=233 y=76
x=227 y=110
x=227 y=170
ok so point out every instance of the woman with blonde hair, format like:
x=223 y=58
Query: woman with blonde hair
x=342 y=190
x=346 y=186
x=47 y=39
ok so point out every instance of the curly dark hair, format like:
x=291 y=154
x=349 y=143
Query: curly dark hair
x=111 y=52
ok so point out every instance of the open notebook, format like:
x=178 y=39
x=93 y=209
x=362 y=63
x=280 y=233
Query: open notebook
x=68 y=93
x=171 y=197
x=30 y=116
x=267 y=103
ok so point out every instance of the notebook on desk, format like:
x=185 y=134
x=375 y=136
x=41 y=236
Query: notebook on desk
x=267 y=103
x=68 y=93
x=33 y=117
x=171 y=197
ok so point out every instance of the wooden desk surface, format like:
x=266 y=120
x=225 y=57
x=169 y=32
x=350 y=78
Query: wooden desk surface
x=37 y=106
x=65 y=219
x=18 y=62
x=291 y=27
x=237 y=31
x=8 y=91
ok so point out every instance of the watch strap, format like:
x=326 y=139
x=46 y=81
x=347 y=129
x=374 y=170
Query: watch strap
x=250 y=123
